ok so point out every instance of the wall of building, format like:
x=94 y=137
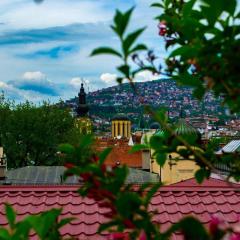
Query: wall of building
x=146 y=159
x=175 y=170
x=84 y=125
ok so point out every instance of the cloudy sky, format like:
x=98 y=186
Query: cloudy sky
x=44 y=48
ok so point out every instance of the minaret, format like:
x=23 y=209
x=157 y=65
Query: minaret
x=83 y=122
x=82 y=108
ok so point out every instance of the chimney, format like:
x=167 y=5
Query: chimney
x=2 y=164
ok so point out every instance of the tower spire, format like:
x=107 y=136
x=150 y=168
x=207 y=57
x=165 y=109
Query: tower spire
x=82 y=108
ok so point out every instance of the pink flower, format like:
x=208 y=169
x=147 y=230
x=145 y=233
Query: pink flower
x=235 y=236
x=214 y=224
x=162 y=28
x=142 y=236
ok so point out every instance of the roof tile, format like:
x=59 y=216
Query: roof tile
x=172 y=203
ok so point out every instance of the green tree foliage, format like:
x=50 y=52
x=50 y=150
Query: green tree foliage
x=45 y=225
x=31 y=134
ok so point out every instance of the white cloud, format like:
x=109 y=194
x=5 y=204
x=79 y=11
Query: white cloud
x=146 y=76
x=31 y=86
x=27 y=14
x=76 y=82
x=34 y=75
x=10 y=92
x=109 y=78
x=3 y=85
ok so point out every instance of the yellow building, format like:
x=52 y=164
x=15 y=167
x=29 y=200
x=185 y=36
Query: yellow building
x=121 y=127
x=176 y=168
x=83 y=122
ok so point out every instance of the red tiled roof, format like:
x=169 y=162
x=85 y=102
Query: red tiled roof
x=209 y=183
x=120 y=152
x=172 y=202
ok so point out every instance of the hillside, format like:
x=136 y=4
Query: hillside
x=105 y=103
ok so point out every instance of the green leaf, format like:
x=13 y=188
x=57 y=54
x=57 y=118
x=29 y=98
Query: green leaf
x=22 y=230
x=4 y=234
x=184 y=51
x=125 y=69
x=139 y=47
x=230 y=6
x=127 y=203
x=105 y=50
x=167 y=3
x=43 y=222
x=103 y=155
x=161 y=158
x=199 y=92
x=11 y=215
x=65 y=221
x=158 y=5
x=190 y=227
x=138 y=147
x=188 y=79
x=187 y=7
x=130 y=39
x=66 y=148
x=119 y=80
x=105 y=226
x=156 y=142
x=200 y=175
x=218 y=7
x=121 y=21
x=86 y=141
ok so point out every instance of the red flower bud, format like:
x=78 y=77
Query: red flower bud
x=128 y=223
x=85 y=176
x=95 y=158
x=106 y=194
x=105 y=205
x=69 y=165
x=109 y=214
x=103 y=168
x=162 y=32
x=96 y=183
x=118 y=236
x=214 y=225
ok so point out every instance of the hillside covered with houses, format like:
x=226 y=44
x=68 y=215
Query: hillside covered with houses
x=107 y=102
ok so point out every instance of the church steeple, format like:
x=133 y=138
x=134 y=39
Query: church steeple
x=82 y=108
